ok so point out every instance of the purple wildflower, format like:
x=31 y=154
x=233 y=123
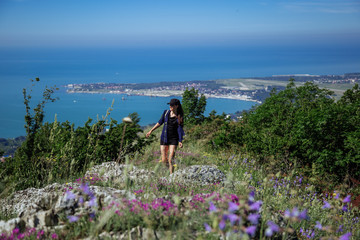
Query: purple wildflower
x=256 y=206
x=207 y=227
x=222 y=224
x=54 y=236
x=252 y=196
x=295 y=212
x=254 y=218
x=346 y=236
x=287 y=213
x=233 y=218
x=39 y=234
x=303 y=215
x=73 y=218
x=70 y=195
x=272 y=228
x=233 y=207
x=85 y=188
x=251 y=230
x=318 y=225
x=347 y=199
x=92 y=215
x=345 y=208
x=326 y=205
x=225 y=217
x=92 y=202
x=212 y=207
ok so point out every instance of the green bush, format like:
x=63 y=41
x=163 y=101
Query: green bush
x=194 y=106
x=304 y=124
x=301 y=126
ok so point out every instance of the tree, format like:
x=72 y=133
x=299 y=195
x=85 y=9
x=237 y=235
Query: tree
x=193 y=106
x=305 y=125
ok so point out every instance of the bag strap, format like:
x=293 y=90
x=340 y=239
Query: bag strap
x=165 y=116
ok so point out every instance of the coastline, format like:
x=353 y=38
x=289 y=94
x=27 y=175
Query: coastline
x=167 y=93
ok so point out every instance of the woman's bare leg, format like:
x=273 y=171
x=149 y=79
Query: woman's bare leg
x=172 y=149
x=164 y=153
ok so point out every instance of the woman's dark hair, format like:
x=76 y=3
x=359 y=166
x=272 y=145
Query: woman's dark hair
x=180 y=114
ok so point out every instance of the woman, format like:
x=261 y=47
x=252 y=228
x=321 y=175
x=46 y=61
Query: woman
x=172 y=134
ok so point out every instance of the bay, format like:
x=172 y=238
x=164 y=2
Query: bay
x=78 y=108
x=61 y=66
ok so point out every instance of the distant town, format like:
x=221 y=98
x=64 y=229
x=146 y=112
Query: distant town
x=249 y=89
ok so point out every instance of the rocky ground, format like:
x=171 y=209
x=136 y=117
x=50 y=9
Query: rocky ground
x=43 y=208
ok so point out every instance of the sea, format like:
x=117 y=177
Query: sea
x=61 y=66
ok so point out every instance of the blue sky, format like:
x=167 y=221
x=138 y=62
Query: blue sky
x=177 y=22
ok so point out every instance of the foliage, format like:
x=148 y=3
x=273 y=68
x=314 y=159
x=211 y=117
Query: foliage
x=193 y=106
x=249 y=205
x=304 y=126
x=58 y=151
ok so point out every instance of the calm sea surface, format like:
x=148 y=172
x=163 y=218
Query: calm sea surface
x=63 y=66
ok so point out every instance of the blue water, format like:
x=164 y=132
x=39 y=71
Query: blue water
x=138 y=65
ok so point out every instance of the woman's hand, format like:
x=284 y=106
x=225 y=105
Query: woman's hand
x=180 y=144
x=148 y=134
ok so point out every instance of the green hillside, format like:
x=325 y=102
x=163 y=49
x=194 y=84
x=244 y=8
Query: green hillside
x=287 y=169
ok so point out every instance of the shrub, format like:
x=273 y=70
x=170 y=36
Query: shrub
x=305 y=125
x=58 y=151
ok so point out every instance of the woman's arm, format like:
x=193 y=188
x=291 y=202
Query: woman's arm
x=181 y=134
x=155 y=127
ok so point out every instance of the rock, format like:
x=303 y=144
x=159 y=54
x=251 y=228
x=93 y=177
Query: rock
x=113 y=170
x=31 y=200
x=137 y=233
x=38 y=208
x=8 y=226
x=42 y=218
x=200 y=174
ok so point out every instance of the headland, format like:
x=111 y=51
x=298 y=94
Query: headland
x=254 y=89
